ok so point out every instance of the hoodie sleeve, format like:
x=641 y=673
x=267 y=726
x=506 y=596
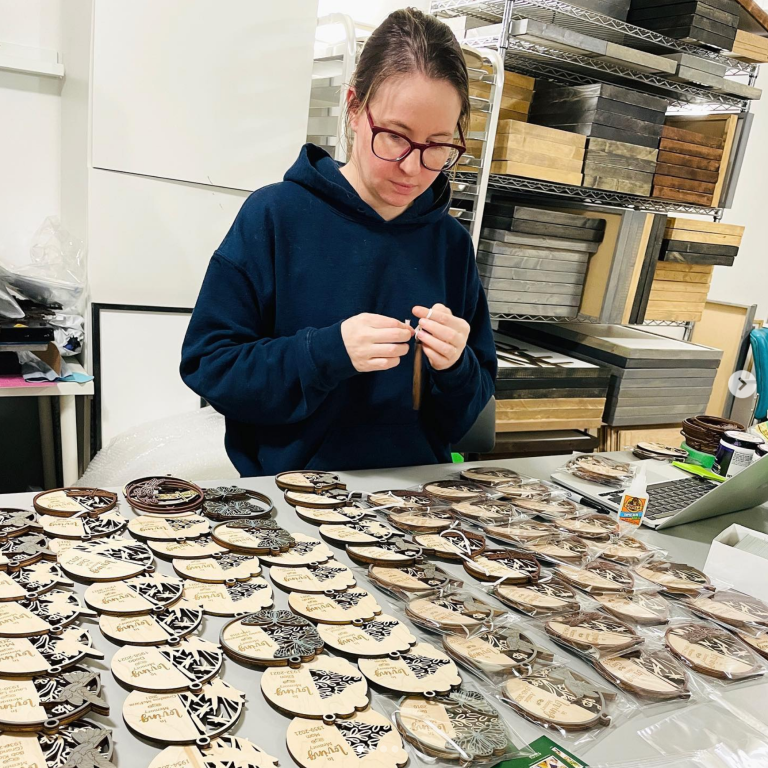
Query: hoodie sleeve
x=228 y=356
x=459 y=393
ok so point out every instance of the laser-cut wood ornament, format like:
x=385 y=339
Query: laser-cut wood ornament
x=422 y=577
x=451 y=544
x=592 y=632
x=31 y=580
x=379 y=636
x=363 y=532
x=327 y=686
x=41 y=614
x=422 y=668
x=511 y=565
x=402 y=500
x=549 y=509
x=644 y=608
x=224 y=752
x=597 y=576
x=732 y=608
x=173 y=623
x=423 y=520
x=559 y=549
x=132 y=597
x=179 y=666
x=189 y=526
x=492 y=512
x=520 y=531
x=675 y=578
x=315 y=578
x=74 y=502
x=353 y=512
x=308 y=481
x=335 y=607
x=306 y=550
x=109 y=560
x=321 y=500
x=229 y=599
x=83 y=528
x=163 y=495
x=187 y=549
x=218 y=568
x=24 y=549
x=651 y=675
x=397 y=551
x=519 y=491
x=253 y=537
x=589 y=526
x=491 y=475
x=454 y=491
x=271 y=638
x=626 y=550
x=545 y=598
x=60 y=649
x=450 y=612
x=501 y=650
x=232 y=503
x=14 y=522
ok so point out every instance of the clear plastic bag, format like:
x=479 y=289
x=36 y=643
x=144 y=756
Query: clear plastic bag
x=600 y=470
x=732 y=609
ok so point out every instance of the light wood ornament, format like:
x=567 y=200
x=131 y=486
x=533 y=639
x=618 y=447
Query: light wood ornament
x=314 y=578
x=132 y=597
x=188 y=526
x=224 y=752
x=110 y=560
x=335 y=607
x=229 y=599
x=175 y=622
x=423 y=668
x=306 y=550
x=377 y=637
x=218 y=568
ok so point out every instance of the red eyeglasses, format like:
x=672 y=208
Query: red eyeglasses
x=393 y=147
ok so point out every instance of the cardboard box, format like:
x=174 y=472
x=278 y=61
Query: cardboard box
x=742 y=570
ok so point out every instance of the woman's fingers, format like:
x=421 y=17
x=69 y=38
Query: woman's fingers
x=391 y=335
x=438 y=345
x=436 y=360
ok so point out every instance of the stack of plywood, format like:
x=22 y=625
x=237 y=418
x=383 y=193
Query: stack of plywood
x=619 y=166
x=750 y=48
x=707 y=243
x=678 y=292
x=536 y=152
x=691 y=166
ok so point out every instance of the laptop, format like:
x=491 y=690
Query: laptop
x=677 y=497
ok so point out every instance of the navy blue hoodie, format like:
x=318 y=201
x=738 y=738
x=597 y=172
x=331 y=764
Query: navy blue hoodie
x=264 y=344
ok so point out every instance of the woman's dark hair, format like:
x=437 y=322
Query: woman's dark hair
x=409 y=41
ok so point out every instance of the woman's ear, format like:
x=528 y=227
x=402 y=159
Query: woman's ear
x=353 y=109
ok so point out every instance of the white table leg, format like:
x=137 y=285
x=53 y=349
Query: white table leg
x=46 y=442
x=68 y=419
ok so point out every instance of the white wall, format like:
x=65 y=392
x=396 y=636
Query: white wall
x=745 y=282
x=368 y=11
x=30 y=129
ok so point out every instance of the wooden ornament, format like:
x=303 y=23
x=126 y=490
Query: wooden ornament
x=109 y=560
x=542 y=599
x=550 y=509
x=81 y=743
x=32 y=580
x=758 y=642
x=179 y=666
x=224 y=752
x=192 y=717
x=365 y=740
x=638 y=607
x=57 y=546
x=315 y=578
x=363 y=532
x=559 y=549
x=592 y=631
x=421 y=577
x=495 y=651
x=732 y=608
x=712 y=651
x=48 y=654
x=328 y=686
x=556 y=697
x=626 y=550
x=307 y=550
x=253 y=537
x=132 y=597
x=218 y=568
x=455 y=490
x=399 y=501
x=647 y=674
x=674 y=578
x=163 y=495
x=487 y=512
x=40 y=614
x=233 y=503
x=597 y=576
x=335 y=607
x=69 y=502
x=14 y=522
x=169 y=528
x=534 y=491
x=271 y=638
x=48 y=702
x=332 y=516
x=83 y=528
x=508 y=564
x=176 y=622
x=229 y=599
x=376 y=637
x=308 y=481
x=22 y=550
x=396 y=551
x=187 y=549
x=423 y=668
x=600 y=469
x=491 y=475
x=459 y=726
x=590 y=526
x=522 y=531
x=320 y=500
x=450 y=612
x=424 y=520
x=452 y=544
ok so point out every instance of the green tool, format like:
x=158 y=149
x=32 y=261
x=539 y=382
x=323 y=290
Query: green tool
x=695 y=469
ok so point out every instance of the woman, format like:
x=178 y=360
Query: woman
x=301 y=333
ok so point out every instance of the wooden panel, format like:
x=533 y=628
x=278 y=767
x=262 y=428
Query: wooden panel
x=715 y=227
x=721 y=326
x=685 y=197
x=626 y=438
x=541 y=132
x=548 y=424
x=684 y=148
x=512 y=141
x=688 y=235
x=538 y=159
x=536 y=172
x=219 y=94
x=550 y=403
x=692 y=137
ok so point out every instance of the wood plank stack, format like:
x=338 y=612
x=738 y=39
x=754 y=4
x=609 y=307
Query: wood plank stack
x=600 y=111
x=616 y=9
x=619 y=166
x=533 y=261
x=536 y=152
x=689 y=166
x=750 y=48
x=704 y=243
x=537 y=389
x=654 y=379
x=707 y=22
x=678 y=291
x=698 y=70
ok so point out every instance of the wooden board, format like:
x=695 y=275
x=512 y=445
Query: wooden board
x=689 y=185
x=675 y=158
x=685 y=148
x=592 y=168
x=618 y=185
x=530 y=130
x=685 y=197
x=513 y=115
x=696 y=225
x=620 y=161
x=684 y=172
x=537 y=159
x=537 y=172
x=547 y=425
x=692 y=137
x=483 y=90
x=713 y=238
x=513 y=141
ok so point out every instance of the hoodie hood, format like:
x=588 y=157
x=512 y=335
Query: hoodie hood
x=319 y=173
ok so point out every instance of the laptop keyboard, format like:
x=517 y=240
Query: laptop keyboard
x=665 y=499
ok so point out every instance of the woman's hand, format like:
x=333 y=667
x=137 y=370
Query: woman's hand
x=443 y=336
x=375 y=342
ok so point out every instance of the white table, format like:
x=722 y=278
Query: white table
x=266 y=727
x=66 y=391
